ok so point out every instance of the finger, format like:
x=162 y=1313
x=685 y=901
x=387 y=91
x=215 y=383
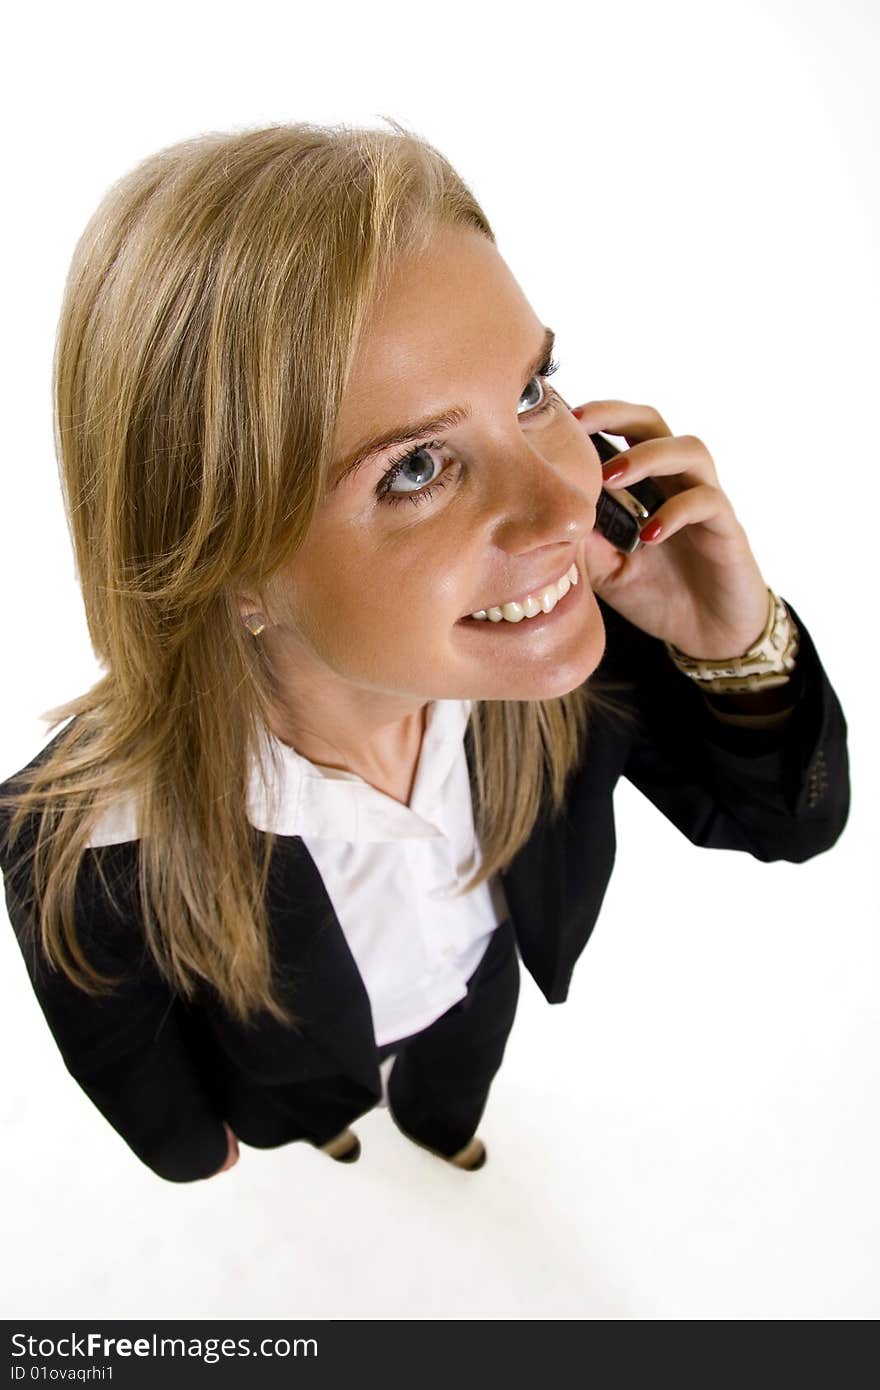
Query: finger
x=231 y=1160
x=704 y=504
x=682 y=456
x=636 y=423
x=232 y=1152
x=602 y=559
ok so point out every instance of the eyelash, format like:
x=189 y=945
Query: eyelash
x=551 y=400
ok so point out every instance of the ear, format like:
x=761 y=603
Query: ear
x=252 y=612
x=247 y=604
x=265 y=602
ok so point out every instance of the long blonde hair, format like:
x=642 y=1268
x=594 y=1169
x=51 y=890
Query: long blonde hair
x=209 y=323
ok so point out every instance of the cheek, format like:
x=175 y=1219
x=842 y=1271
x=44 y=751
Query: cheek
x=359 y=596
x=409 y=573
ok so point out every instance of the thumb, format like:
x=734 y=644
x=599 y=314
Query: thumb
x=601 y=558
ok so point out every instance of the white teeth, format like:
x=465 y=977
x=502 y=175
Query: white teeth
x=532 y=604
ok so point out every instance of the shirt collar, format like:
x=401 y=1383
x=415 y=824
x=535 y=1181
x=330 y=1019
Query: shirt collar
x=293 y=796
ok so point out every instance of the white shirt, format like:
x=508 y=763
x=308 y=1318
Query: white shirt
x=387 y=868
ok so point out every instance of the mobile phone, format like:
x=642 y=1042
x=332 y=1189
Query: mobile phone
x=622 y=512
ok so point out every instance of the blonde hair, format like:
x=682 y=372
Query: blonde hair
x=209 y=323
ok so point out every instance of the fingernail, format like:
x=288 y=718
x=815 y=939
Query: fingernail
x=651 y=531
x=617 y=472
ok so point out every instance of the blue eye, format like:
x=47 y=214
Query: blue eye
x=547 y=369
x=425 y=487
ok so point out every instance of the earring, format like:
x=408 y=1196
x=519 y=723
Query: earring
x=254 y=623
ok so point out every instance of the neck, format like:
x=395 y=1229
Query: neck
x=338 y=723
x=381 y=749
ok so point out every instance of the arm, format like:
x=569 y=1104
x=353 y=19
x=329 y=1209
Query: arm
x=758 y=709
x=126 y=1050
x=775 y=787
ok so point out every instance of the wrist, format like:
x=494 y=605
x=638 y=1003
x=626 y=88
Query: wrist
x=765 y=667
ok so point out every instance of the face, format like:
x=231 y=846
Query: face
x=480 y=512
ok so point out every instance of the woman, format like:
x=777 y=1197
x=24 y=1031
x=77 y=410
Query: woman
x=350 y=756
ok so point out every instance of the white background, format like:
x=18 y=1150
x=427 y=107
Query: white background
x=688 y=196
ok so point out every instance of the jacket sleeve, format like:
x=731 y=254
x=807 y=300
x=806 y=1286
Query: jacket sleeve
x=776 y=793
x=127 y=1049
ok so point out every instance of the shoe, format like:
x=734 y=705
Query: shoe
x=345 y=1147
x=471 y=1157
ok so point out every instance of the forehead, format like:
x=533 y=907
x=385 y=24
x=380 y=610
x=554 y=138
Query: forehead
x=454 y=304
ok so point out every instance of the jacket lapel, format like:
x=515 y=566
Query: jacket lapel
x=317 y=980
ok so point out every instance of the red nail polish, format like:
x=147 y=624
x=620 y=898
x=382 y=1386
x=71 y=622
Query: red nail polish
x=651 y=531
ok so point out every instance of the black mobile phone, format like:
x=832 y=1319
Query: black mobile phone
x=622 y=512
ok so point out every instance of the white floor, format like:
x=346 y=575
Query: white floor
x=692 y=1135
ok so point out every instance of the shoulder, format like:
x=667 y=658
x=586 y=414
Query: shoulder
x=116 y=824
x=272 y=800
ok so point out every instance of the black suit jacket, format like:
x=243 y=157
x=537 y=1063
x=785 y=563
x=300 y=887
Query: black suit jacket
x=166 y=1073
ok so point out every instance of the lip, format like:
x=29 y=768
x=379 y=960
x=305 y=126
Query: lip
x=534 y=589
x=536 y=625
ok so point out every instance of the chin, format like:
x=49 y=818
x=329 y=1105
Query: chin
x=549 y=688
x=550 y=675
x=544 y=681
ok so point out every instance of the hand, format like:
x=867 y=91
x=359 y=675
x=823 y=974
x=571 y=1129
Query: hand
x=231 y=1151
x=698 y=584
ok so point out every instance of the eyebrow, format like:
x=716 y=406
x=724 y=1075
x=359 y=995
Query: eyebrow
x=434 y=424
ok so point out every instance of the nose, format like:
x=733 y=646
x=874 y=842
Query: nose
x=540 y=503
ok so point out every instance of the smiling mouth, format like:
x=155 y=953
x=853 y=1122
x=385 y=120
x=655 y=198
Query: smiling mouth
x=531 y=606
